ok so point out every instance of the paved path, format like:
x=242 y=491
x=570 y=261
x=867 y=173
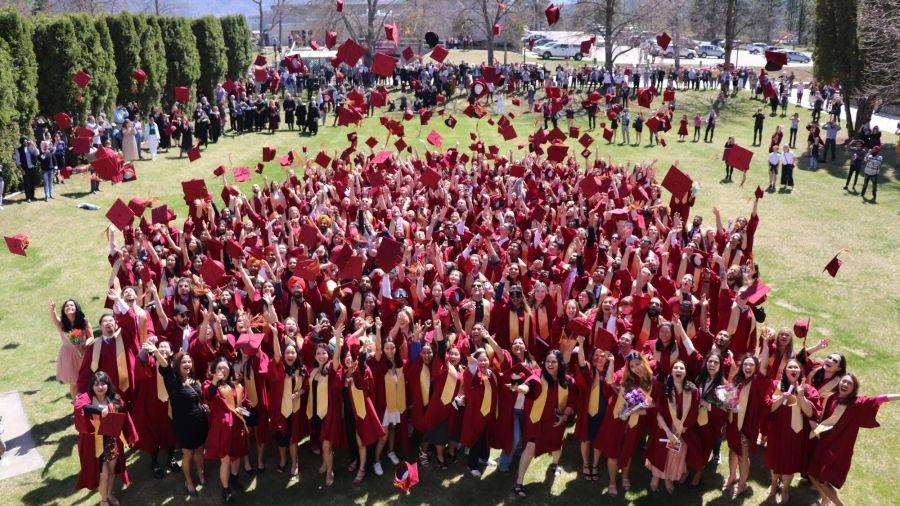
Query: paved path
x=21 y=454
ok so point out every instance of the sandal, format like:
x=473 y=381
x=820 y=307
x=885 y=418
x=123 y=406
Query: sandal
x=329 y=480
x=587 y=473
x=612 y=490
x=738 y=491
x=519 y=490
x=352 y=467
x=360 y=476
x=626 y=484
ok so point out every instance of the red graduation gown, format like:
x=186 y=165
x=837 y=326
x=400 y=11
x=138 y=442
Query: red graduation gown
x=474 y=423
x=109 y=364
x=706 y=434
x=786 y=450
x=755 y=414
x=503 y=427
x=542 y=433
x=332 y=429
x=616 y=439
x=656 y=452
x=89 y=474
x=832 y=451
x=227 y=435
x=367 y=423
x=437 y=411
x=414 y=394
x=299 y=424
x=584 y=380
x=151 y=416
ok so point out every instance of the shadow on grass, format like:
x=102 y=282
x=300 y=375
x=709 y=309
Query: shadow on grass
x=11 y=346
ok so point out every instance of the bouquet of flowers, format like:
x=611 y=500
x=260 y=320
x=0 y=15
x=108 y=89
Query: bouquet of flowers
x=720 y=397
x=696 y=186
x=634 y=400
x=75 y=337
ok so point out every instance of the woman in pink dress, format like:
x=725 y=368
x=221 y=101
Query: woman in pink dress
x=74 y=330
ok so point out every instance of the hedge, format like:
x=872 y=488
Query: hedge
x=16 y=32
x=238 y=45
x=183 y=59
x=97 y=61
x=9 y=127
x=58 y=55
x=127 y=52
x=153 y=61
x=211 y=46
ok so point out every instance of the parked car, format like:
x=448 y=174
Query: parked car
x=707 y=50
x=757 y=47
x=718 y=42
x=539 y=39
x=683 y=52
x=559 y=50
x=798 y=56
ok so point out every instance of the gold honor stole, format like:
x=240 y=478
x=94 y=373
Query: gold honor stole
x=486 y=320
x=736 y=260
x=449 y=385
x=743 y=399
x=594 y=399
x=514 y=327
x=359 y=400
x=250 y=382
x=620 y=405
x=233 y=400
x=829 y=422
x=542 y=322
x=425 y=384
x=395 y=391
x=161 y=393
x=321 y=396
x=678 y=423
x=98 y=438
x=537 y=408
x=796 y=415
x=121 y=362
x=487 y=396
x=827 y=389
x=289 y=405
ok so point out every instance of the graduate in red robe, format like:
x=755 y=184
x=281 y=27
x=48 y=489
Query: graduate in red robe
x=101 y=456
x=152 y=413
x=442 y=418
x=515 y=367
x=227 y=438
x=325 y=404
x=113 y=353
x=596 y=394
x=791 y=406
x=362 y=420
x=287 y=391
x=550 y=400
x=511 y=317
x=677 y=406
x=711 y=416
x=391 y=395
x=834 y=438
x=482 y=398
x=618 y=437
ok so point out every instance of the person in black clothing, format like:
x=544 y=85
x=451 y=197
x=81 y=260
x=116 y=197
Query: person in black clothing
x=591 y=114
x=187 y=136
x=289 y=106
x=856 y=161
x=312 y=119
x=301 y=116
x=729 y=170
x=201 y=128
x=215 y=124
x=26 y=157
x=262 y=113
x=189 y=415
x=758 y=119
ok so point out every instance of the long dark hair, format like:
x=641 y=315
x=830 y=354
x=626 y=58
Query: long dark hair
x=230 y=378
x=526 y=355
x=176 y=365
x=819 y=376
x=111 y=395
x=785 y=383
x=398 y=360
x=79 y=323
x=670 y=383
x=290 y=370
x=703 y=377
x=850 y=399
x=672 y=344
x=560 y=370
x=740 y=378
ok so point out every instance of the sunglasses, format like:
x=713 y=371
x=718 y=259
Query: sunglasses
x=516 y=295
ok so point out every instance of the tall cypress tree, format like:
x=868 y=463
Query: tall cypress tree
x=58 y=53
x=94 y=59
x=107 y=83
x=16 y=32
x=182 y=57
x=238 y=45
x=9 y=117
x=153 y=61
x=211 y=46
x=127 y=51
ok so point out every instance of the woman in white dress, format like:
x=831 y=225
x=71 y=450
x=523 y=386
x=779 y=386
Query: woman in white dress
x=129 y=142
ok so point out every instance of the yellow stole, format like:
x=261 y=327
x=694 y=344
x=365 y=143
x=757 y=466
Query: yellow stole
x=321 y=408
x=292 y=385
x=726 y=254
x=425 y=384
x=542 y=321
x=395 y=391
x=829 y=422
x=233 y=400
x=594 y=399
x=743 y=400
x=827 y=389
x=514 y=327
x=796 y=414
x=537 y=408
x=161 y=393
x=678 y=423
x=487 y=396
x=250 y=382
x=121 y=362
x=634 y=418
x=486 y=321
x=449 y=385
x=98 y=438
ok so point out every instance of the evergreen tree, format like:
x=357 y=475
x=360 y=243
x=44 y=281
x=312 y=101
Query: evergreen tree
x=9 y=117
x=16 y=31
x=127 y=52
x=105 y=76
x=58 y=53
x=238 y=45
x=153 y=62
x=211 y=46
x=94 y=60
x=182 y=57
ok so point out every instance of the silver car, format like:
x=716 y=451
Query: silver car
x=797 y=56
x=707 y=50
x=683 y=52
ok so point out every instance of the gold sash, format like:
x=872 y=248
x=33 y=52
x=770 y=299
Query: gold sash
x=543 y=322
x=487 y=396
x=678 y=423
x=829 y=422
x=425 y=383
x=827 y=389
x=359 y=401
x=537 y=409
x=161 y=393
x=702 y=416
x=289 y=405
x=395 y=391
x=250 y=382
x=233 y=400
x=98 y=438
x=121 y=362
x=321 y=408
x=743 y=400
x=514 y=327
x=486 y=320
x=594 y=399
x=449 y=390
x=796 y=415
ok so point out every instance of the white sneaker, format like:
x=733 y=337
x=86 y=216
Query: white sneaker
x=491 y=462
x=475 y=472
x=378 y=470
x=393 y=458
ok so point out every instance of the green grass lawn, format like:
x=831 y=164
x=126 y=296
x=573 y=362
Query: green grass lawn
x=799 y=233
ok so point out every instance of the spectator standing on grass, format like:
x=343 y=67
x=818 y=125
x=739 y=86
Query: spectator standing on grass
x=758 y=119
x=710 y=126
x=831 y=131
x=788 y=158
x=626 y=124
x=48 y=167
x=775 y=160
x=59 y=155
x=26 y=158
x=698 y=122
x=873 y=167
x=795 y=125
x=856 y=162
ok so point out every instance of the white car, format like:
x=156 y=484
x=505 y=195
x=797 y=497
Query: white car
x=559 y=50
x=683 y=52
x=706 y=50
x=757 y=47
x=797 y=56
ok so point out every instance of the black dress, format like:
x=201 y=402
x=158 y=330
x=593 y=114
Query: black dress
x=189 y=414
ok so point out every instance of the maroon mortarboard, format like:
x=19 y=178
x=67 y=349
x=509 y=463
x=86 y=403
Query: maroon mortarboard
x=508 y=132
x=339 y=5
x=17 y=244
x=668 y=95
x=639 y=194
x=260 y=167
x=81 y=145
x=211 y=271
x=390 y=253
x=801 y=328
x=371 y=142
x=619 y=214
x=424 y=116
x=193 y=153
x=66 y=172
x=111 y=425
x=309 y=235
x=85 y=132
x=234 y=249
x=229 y=87
x=381 y=157
x=556 y=136
x=120 y=214
x=218 y=171
x=309 y=269
x=106 y=168
x=350 y=52
x=552 y=13
x=517 y=170
x=384 y=65
x=268 y=154
x=574 y=132
x=314 y=45
x=260 y=60
x=835 y=264
x=322 y=159
x=653 y=124
x=438 y=54
x=352 y=136
x=330 y=39
x=552 y=91
x=498 y=29
x=348 y=115
x=611 y=114
x=182 y=93
x=585 y=47
x=81 y=78
x=538 y=213
x=578 y=327
x=408 y=114
x=400 y=145
x=431 y=178
x=759 y=193
x=352 y=269
x=756 y=293
x=241 y=174
x=161 y=214
x=378 y=99
x=434 y=138
x=775 y=60
x=194 y=189
x=138 y=206
x=62 y=120
x=738 y=157
x=503 y=121
x=260 y=75
x=677 y=182
x=516 y=102
x=645 y=97
x=585 y=152
x=557 y=152
x=608 y=134
x=249 y=344
x=450 y=121
x=406 y=476
x=391 y=33
x=408 y=53
x=139 y=75
x=663 y=40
